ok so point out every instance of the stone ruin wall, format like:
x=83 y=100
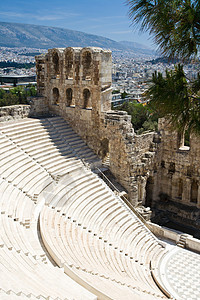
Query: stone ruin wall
x=14 y=112
x=72 y=81
x=75 y=83
x=175 y=180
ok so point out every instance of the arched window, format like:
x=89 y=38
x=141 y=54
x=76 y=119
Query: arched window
x=86 y=98
x=187 y=138
x=55 y=96
x=87 y=65
x=184 y=140
x=194 y=192
x=69 y=64
x=56 y=63
x=69 y=95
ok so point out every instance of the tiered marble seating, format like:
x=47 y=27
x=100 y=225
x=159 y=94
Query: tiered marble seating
x=87 y=215
x=75 y=143
x=87 y=231
x=25 y=270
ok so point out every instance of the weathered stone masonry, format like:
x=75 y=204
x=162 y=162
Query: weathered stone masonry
x=155 y=169
x=76 y=84
x=175 y=186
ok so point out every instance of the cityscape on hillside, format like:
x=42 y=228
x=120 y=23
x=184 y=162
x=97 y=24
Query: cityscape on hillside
x=131 y=72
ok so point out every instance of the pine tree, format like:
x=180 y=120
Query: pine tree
x=175 y=26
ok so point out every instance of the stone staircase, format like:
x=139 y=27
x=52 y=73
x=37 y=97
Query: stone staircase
x=182 y=240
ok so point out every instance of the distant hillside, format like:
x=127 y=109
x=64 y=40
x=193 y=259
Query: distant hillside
x=44 y=37
x=140 y=48
x=35 y=36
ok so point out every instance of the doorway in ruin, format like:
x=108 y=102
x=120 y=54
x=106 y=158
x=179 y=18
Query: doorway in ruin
x=69 y=64
x=86 y=98
x=56 y=63
x=104 y=151
x=194 y=192
x=55 y=96
x=87 y=65
x=69 y=96
x=149 y=191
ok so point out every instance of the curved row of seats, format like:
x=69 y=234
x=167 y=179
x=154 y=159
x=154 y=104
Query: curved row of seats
x=25 y=270
x=86 y=229
x=23 y=263
x=84 y=213
x=43 y=138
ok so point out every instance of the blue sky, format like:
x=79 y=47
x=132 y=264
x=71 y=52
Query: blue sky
x=108 y=18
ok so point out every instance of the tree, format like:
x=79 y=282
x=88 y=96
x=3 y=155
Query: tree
x=174 y=97
x=17 y=95
x=175 y=26
x=142 y=117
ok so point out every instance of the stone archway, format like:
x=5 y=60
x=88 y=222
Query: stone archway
x=104 y=150
x=87 y=65
x=69 y=64
x=86 y=98
x=56 y=96
x=194 y=192
x=56 y=63
x=69 y=96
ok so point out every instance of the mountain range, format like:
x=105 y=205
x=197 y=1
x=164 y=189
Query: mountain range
x=44 y=37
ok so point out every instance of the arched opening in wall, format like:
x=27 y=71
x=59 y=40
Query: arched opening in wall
x=69 y=64
x=187 y=138
x=149 y=191
x=194 y=192
x=55 y=96
x=69 y=96
x=56 y=63
x=180 y=189
x=104 y=151
x=86 y=98
x=184 y=140
x=87 y=65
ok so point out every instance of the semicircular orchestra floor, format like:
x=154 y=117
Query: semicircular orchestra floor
x=180 y=273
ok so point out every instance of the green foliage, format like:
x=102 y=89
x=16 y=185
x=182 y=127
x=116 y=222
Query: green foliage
x=174 y=97
x=31 y=90
x=30 y=54
x=115 y=91
x=187 y=138
x=175 y=24
x=142 y=117
x=123 y=95
x=8 y=64
x=148 y=125
x=17 y=95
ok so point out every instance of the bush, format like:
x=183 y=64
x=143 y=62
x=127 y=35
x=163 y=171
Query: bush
x=17 y=95
x=142 y=117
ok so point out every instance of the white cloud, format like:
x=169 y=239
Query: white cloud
x=42 y=15
x=11 y=14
